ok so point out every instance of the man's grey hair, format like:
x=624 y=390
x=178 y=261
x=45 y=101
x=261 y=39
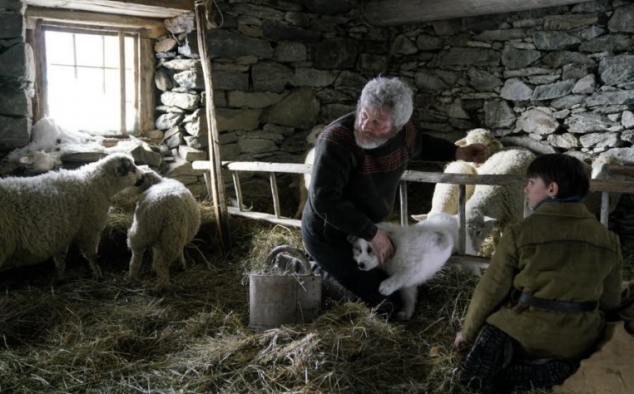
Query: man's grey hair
x=391 y=93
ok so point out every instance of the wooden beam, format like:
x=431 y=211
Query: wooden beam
x=146 y=85
x=153 y=28
x=144 y=8
x=400 y=12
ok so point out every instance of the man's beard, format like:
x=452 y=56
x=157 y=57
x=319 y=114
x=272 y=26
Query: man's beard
x=367 y=141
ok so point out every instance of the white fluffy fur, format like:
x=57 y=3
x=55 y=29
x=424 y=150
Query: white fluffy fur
x=166 y=219
x=41 y=216
x=421 y=251
x=504 y=203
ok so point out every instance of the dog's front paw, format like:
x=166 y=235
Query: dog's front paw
x=405 y=315
x=386 y=288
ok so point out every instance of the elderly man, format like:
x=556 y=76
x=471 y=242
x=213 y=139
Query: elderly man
x=359 y=160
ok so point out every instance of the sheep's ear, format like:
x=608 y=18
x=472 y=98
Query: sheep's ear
x=420 y=218
x=461 y=142
x=496 y=144
x=351 y=238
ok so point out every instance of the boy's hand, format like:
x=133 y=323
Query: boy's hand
x=382 y=246
x=459 y=343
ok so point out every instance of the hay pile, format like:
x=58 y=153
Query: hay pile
x=116 y=337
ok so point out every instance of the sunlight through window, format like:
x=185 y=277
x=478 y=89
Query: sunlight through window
x=84 y=84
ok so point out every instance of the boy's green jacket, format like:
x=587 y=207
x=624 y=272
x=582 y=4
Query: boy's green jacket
x=560 y=252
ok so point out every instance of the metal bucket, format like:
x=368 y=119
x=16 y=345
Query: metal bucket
x=284 y=299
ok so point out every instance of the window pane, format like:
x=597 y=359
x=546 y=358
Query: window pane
x=112 y=83
x=89 y=50
x=59 y=48
x=112 y=51
x=129 y=86
x=129 y=53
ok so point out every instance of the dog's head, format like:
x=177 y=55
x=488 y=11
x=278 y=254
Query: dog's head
x=121 y=170
x=363 y=254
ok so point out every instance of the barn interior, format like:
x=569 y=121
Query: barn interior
x=186 y=87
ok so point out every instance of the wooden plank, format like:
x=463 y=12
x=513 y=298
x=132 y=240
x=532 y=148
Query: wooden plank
x=462 y=218
x=40 y=100
x=215 y=165
x=402 y=188
x=456 y=179
x=238 y=189
x=400 y=12
x=146 y=85
x=143 y=8
x=276 y=197
x=617 y=186
x=469 y=261
x=152 y=28
x=122 y=122
x=605 y=206
x=265 y=216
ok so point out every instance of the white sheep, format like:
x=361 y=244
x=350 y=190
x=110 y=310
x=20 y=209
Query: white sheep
x=445 y=198
x=41 y=216
x=304 y=183
x=504 y=203
x=166 y=219
x=481 y=136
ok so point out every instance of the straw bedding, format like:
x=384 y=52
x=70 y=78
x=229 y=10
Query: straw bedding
x=117 y=337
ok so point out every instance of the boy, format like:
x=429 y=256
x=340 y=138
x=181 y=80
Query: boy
x=539 y=307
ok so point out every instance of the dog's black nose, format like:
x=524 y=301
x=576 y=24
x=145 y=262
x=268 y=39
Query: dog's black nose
x=362 y=266
x=139 y=181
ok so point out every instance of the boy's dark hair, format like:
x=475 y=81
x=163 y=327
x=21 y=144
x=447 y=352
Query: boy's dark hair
x=566 y=171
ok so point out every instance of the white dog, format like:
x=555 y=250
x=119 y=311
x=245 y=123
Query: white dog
x=421 y=251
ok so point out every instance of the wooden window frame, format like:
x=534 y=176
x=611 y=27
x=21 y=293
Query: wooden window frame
x=144 y=99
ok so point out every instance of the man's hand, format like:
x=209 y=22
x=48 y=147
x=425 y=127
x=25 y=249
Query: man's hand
x=477 y=153
x=382 y=246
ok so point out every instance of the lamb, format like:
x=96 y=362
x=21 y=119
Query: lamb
x=481 y=136
x=421 y=251
x=498 y=205
x=304 y=183
x=445 y=198
x=166 y=219
x=41 y=216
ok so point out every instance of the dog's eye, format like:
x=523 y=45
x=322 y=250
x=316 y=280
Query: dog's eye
x=369 y=250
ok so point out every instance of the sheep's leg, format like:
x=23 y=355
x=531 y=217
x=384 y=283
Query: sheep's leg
x=60 y=264
x=161 y=264
x=181 y=258
x=88 y=248
x=135 y=264
x=408 y=295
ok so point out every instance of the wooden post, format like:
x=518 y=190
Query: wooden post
x=122 y=126
x=462 y=219
x=402 y=188
x=146 y=89
x=276 y=196
x=217 y=185
x=605 y=206
x=37 y=39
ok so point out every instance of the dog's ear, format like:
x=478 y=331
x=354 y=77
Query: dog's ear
x=352 y=238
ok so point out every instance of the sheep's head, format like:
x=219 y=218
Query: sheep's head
x=363 y=254
x=481 y=136
x=478 y=228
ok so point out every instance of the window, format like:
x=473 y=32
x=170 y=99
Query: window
x=83 y=71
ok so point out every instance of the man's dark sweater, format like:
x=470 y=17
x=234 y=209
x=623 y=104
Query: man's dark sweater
x=353 y=188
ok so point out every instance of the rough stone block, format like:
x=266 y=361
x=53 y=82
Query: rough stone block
x=15 y=103
x=14 y=132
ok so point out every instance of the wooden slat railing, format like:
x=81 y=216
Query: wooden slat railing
x=605 y=186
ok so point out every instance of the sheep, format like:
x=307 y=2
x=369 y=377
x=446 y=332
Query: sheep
x=497 y=204
x=304 y=183
x=445 y=198
x=166 y=219
x=481 y=136
x=41 y=216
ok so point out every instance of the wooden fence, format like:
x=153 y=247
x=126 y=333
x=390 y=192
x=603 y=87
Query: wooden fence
x=619 y=180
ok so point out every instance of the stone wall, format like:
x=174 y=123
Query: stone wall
x=17 y=72
x=557 y=79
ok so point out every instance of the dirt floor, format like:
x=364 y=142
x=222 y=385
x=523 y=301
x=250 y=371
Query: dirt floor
x=113 y=336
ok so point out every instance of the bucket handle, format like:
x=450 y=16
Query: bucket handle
x=293 y=252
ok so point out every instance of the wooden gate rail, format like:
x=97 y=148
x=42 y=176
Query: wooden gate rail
x=605 y=186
